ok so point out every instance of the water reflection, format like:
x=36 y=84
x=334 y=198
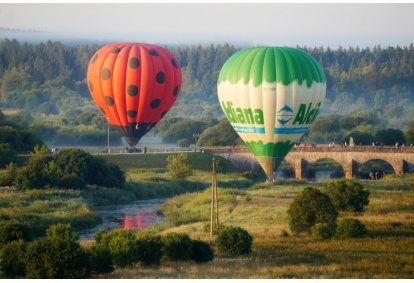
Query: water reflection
x=139 y=214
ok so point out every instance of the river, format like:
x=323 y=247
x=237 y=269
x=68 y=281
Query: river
x=139 y=214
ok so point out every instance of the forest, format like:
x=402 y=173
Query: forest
x=43 y=88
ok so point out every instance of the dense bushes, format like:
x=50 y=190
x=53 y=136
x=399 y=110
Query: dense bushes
x=57 y=256
x=350 y=228
x=177 y=246
x=310 y=207
x=70 y=168
x=347 y=195
x=234 y=241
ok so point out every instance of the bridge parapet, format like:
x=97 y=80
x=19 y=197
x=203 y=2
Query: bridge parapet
x=350 y=158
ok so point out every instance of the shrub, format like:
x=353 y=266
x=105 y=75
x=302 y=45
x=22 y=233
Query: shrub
x=72 y=182
x=11 y=230
x=38 y=173
x=350 y=228
x=100 y=259
x=322 y=231
x=347 y=195
x=122 y=245
x=177 y=246
x=12 y=259
x=202 y=252
x=59 y=256
x=234 y=241
x=149 y=249
x=179 y=166
x=311 y=206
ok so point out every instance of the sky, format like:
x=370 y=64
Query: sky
x=273 y=24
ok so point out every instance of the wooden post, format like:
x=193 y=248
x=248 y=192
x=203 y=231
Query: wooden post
x=214 y=223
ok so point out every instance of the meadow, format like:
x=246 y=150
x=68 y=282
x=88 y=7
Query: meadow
x=387 y=252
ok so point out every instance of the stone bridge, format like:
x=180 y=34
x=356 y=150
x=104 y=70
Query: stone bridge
x=350 y=158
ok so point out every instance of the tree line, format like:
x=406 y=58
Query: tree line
x=371 y=87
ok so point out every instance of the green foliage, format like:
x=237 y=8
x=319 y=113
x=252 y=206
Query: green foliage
x=220 y=135
x=39 y=172
x=72 y=182
x=11 y=230
x=390 y=137
x=7 y=155
x=177 y=246
x=234 y=241
x=183 y=143
x=59 y=256
x=149 y=249
x=350 y=228
x=122 y=245
x=179 y=167
x=13 y=259
x=347 y=195
x=100 y=259
x=360 y=138
x=322 y=231
x=311 y=206
x=202 y=252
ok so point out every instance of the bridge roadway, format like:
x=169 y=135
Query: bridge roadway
x=350 y=158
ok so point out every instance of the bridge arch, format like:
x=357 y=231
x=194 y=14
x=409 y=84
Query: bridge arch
x=350 y=158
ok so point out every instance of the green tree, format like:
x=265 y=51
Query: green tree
x=122 y=244
x=13 y=259
x=347 y=195
x=177 y=246
x=350 y=228
x=409 y=134
x=311 y=206
x=179 y=166
x=58 y=256
x=11 y=230
x=234 y=241
x=390 y=136
x=7 y=155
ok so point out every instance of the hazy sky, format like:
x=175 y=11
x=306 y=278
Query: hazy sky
x=274 y=24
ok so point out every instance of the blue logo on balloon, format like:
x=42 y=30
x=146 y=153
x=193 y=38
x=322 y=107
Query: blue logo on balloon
x=284 y=115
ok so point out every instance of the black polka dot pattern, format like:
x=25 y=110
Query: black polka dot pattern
x=132 y=113
x=174 y=63
x=133 y=63
x=132 y=90
x=155 y=103
x=109 y=100
x=106 y=74
x=160 y=77
x=175 y=92
x=163 y=85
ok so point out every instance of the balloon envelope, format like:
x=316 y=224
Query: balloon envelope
x=271 y=95
x=134 y=85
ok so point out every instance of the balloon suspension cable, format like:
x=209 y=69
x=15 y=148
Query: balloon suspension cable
x=271 y=177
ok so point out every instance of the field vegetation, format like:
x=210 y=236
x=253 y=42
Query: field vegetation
x=386 y=251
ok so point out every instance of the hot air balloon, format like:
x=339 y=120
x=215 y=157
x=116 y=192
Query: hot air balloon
x=271 y=95
x=133 y=85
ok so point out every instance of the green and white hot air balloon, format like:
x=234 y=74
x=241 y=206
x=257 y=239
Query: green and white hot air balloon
x=271 y=95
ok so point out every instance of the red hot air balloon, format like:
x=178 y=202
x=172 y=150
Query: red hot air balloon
x=134 y=85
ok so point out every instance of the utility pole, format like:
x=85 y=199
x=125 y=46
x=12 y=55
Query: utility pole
x=214 y=203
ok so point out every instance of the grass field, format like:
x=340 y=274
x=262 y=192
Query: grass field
x=387 y=252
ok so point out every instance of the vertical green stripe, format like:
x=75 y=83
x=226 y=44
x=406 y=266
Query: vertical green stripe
x=289 y=64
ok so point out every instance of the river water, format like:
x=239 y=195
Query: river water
x=139 y=214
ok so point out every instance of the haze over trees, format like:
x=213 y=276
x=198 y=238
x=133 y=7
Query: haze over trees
x=368 y=90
